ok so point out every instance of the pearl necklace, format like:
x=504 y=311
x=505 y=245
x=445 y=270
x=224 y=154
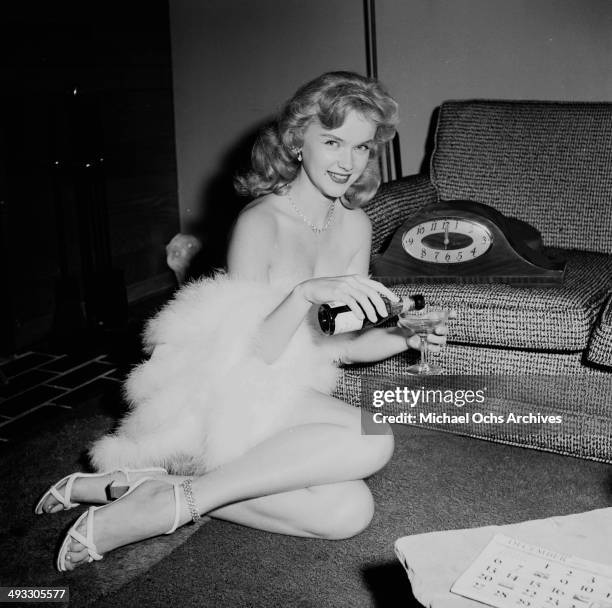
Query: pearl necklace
x=328 y=218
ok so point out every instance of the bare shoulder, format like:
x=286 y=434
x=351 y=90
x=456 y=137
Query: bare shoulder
x=253 y=236
x=357 y=223
x=258 y=215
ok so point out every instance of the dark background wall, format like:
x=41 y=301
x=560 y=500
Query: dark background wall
x=87 y=163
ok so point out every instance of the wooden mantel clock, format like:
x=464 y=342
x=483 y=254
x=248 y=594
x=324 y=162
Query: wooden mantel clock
x=467 y=242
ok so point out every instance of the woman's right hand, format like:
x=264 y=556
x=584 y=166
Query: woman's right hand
x=359 y=293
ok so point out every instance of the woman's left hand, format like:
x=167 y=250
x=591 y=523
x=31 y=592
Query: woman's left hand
x=179 y=252
x=436 y=339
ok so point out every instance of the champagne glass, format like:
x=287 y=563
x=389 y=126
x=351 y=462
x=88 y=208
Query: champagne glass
x=421 y=322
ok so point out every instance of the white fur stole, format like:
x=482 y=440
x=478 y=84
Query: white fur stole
x=205 y=396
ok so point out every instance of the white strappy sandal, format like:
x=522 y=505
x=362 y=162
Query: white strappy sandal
x=87 y=540
x=65 y=498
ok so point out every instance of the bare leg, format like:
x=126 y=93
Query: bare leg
x=332 y=511
x=324 y=447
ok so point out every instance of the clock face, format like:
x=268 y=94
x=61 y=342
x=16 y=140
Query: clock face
x=447 y=240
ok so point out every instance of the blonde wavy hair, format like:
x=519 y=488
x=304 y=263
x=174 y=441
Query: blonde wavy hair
x=327 y=99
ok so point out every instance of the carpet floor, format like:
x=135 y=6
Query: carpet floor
x=435 y=481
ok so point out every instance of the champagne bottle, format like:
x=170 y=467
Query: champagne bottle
x=338 y=318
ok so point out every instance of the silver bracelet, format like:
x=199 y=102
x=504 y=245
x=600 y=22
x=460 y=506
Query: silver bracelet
x=191 y=505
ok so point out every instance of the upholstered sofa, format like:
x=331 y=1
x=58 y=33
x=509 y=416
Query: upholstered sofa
x=540 y=350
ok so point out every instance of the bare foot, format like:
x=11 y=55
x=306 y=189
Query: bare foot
x=90 y=490
x=147 y=511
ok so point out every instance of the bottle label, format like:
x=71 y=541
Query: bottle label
x=347 y=321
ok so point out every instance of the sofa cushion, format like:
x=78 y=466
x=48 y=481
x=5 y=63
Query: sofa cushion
x=600 y=346
x=393 y=203
x=558 y=319
x=547 y=163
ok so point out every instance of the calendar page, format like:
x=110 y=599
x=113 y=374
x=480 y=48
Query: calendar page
x=512 y=574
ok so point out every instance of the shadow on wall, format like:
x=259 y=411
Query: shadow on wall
x=430 y=142
x=220 y=205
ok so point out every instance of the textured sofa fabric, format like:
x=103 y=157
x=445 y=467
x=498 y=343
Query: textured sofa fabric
x=533 y=318
x=600 y=347
x=546 y=163
x=394 y=202
x=515 y=383
x=549 y=164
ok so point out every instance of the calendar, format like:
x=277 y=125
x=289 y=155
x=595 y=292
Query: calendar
x=510 y=573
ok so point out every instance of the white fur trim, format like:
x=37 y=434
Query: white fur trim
x=205 y=397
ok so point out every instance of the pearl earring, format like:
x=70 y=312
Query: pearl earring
x=299 y=156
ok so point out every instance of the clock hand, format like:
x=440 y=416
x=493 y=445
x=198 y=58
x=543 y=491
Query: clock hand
x=446 y=239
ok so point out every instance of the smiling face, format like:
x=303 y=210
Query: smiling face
x=334 y=159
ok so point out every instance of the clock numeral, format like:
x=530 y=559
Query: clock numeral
x=424 y=241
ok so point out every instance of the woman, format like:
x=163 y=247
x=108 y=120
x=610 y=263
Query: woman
x=306 y=238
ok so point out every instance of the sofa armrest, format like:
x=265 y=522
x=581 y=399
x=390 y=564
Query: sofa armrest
x=394 y=202
x=599 y=350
